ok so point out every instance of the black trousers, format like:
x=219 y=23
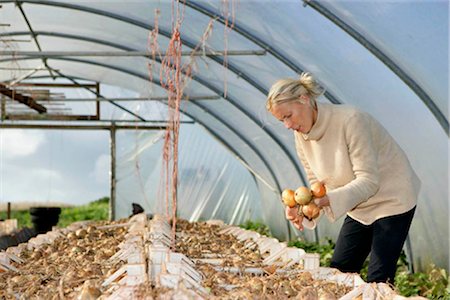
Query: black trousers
x=383 y=239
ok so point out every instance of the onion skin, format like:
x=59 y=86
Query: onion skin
x=288 y=198
x=303 y=195
x=318 y=189
x=311 y=210
x=308 y=293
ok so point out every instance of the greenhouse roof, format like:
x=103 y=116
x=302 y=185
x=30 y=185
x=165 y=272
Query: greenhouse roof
x=389 y=58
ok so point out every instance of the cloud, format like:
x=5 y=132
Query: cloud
x=102 y=168
x=35 y=184
x=19 y=142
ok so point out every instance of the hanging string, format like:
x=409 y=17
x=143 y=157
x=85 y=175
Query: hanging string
x=153 y=48
x=170 y=79
x=152 y=45
x=174 y=77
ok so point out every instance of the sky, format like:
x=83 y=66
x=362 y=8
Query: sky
x=54 y=165
x=69 y=166
x=65 y=166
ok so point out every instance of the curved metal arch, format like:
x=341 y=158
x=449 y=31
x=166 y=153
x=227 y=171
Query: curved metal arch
x=73 y=77
x=353 y=33
x=125 y=48
x=260 y=156
x=227 y=145
x=321 y=9
x=236 y=132
x=437 y=113
x=277 y=54
x=234 y=102
x=128 y=72
x=68 y=36
x=140 y=24
x=189 y=44
x=206 y=127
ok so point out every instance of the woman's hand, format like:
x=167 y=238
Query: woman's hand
x=321 y=202
x=292 y=215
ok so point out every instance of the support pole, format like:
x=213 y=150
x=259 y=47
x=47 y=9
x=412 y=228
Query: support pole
x=112 y=200
x=3 y=107
x=409 y=254
x=316 y=235
x=97 y=103
x=50 y=54
x=8 y=211
x=128 y=99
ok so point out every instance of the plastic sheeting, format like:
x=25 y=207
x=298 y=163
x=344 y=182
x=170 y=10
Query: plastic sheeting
x=296 y=36
x=212 y=183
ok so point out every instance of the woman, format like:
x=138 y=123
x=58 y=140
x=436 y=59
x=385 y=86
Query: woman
x=367 y=176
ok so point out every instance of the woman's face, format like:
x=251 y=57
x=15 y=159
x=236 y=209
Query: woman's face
x=296 y=115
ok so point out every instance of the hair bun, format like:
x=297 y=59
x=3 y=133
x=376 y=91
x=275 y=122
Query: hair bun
x=310 y=84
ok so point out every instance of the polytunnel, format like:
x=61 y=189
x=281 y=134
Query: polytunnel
x=388 y=58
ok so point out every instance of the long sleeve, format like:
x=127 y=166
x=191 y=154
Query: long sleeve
x=366 y=173
x=363 y=158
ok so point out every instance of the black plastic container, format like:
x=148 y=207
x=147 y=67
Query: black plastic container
x=14 y=239
x=44 y=218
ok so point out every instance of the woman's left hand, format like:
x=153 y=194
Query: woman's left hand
x=321 y=202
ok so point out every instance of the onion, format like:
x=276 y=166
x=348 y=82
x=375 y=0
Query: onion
x=81 y=233
x=302 y=195
x=256 y=285
x=71 y=236
x=311 y=210
x=89 y=291
x=308 y=293
x=325 y=295
x=318 y=189
x=288 y=198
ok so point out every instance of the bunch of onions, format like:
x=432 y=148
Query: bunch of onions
x=303 y=197
x=311 y=210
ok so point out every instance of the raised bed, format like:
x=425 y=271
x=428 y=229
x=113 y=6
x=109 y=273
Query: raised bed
x=135 y=259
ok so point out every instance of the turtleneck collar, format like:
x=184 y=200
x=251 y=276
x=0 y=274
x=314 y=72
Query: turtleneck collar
x=321 y=124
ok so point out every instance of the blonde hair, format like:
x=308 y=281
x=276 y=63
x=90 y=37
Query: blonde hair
x=289 y=89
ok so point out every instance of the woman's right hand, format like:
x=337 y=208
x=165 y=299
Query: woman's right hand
x=292 y=215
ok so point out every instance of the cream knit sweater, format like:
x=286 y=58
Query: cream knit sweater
x=366 y=173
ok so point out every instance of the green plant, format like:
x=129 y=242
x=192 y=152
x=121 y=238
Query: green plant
x=325 y=249
x=433 y=284
x=257 y=226
x=22 y=216
x=95 y=210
